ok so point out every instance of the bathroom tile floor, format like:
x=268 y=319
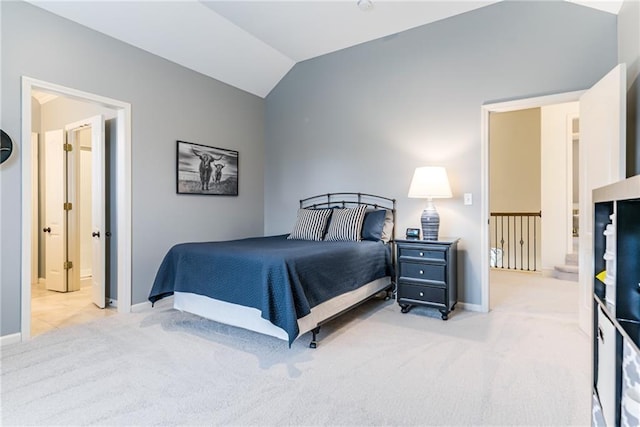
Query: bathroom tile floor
x=55 y=310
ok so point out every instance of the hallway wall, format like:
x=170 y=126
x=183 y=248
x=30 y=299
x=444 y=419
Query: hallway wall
x=556 y=197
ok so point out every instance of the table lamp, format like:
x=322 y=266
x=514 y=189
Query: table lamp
x=430 y=182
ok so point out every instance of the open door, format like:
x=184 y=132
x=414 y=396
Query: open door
x=96 y=125
x=602 y=162
x=55 y=223
x=98 y=283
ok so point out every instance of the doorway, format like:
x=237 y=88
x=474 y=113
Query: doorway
x=514 y=106
x=68 y=284
x=601 y=162
x=533 y=170
x=121 y=184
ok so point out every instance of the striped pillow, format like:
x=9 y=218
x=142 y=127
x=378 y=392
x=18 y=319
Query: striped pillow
x=310 y=225
x=346 y=224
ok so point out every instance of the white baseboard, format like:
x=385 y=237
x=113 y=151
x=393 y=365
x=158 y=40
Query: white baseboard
x=85 y=282
x=470 y=307
x=42 y=281
x=146 y=306
x=112 y=303
x=10 y=339
x=547 y=272
x=139 y=308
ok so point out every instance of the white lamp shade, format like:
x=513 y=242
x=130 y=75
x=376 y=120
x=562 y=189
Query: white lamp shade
x=430 y=182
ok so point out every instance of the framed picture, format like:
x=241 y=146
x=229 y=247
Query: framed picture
x=206 y=170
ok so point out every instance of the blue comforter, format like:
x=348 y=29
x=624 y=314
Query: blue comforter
x=282 y=278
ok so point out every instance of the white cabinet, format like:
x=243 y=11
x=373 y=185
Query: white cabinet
x=616 y=320
x=606 y=380
x=630 y=396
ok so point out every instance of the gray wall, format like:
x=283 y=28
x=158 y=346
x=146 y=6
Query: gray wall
x=629 y=53
x=168 y=103
x=363 y=118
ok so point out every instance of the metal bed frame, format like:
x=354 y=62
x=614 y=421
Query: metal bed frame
x=346 y=200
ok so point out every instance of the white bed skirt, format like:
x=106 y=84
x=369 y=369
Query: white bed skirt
x=250 y=318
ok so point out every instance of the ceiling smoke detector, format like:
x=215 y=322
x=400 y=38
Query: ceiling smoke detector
x=365 y=5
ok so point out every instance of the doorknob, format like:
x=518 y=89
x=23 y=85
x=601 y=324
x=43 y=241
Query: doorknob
x=47 y=229
x=95 y=234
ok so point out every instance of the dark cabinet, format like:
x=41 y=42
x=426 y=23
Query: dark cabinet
x=426 y=274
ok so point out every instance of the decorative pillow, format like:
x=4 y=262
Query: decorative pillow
x=373 y=224
x=310 y=225
x=346 y=224
x=387 y=229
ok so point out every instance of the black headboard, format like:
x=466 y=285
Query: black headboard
x=346 y=200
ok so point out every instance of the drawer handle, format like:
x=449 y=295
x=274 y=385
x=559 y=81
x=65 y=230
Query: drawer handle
x=421 y=271
x=421 y=294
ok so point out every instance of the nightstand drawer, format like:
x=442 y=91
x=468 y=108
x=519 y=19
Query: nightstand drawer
x=424 y=253
x=422 y=293
x=432 y=273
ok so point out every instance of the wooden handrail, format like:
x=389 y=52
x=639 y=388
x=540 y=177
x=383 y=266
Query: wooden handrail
x=517 y=214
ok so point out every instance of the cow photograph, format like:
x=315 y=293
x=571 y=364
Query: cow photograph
x=202 y=169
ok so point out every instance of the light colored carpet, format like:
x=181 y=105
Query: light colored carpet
x=525 y=363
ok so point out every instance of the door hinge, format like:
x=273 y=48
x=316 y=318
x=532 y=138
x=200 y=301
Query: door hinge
x=68 y=147
x=68 y=265
x=67 y=206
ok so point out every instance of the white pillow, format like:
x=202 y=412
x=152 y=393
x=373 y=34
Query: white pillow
x=346 y=224
x=387 y=228
x=310 y=224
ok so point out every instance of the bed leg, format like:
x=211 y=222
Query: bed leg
x=315 y=331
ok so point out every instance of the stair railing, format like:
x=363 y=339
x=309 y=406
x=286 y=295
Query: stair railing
x=514 y=238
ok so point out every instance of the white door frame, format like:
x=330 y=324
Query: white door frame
x=35 y=229
x=500 y=107
x=570 y=181
x=122 y=188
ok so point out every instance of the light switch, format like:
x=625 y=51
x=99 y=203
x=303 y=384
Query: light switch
x=468 y=199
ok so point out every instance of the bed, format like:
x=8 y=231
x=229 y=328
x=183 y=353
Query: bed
x=337 y=256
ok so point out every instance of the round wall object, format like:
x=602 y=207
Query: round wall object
x=7 y=147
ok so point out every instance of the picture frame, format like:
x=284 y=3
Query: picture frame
x=202 y=169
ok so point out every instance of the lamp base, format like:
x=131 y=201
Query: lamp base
x=430 y=221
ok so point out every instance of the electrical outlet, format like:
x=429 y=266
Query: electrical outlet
x=468 y=199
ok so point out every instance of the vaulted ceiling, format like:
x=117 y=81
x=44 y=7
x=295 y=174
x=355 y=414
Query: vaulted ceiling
x=251 y=45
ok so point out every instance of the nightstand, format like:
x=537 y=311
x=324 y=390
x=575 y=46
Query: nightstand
x=426 y=274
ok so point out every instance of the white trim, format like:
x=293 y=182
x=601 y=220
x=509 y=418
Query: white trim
x=85 y=281
x=141 y=307
x=123 y=203
x=484 y=210
x=10 y=339
x=27 y=214
x=123 y=192
x=146 y=306
x=570 y=183
x=470 y=307
x=547 y=272
x=485 y=110
x=35 y=244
